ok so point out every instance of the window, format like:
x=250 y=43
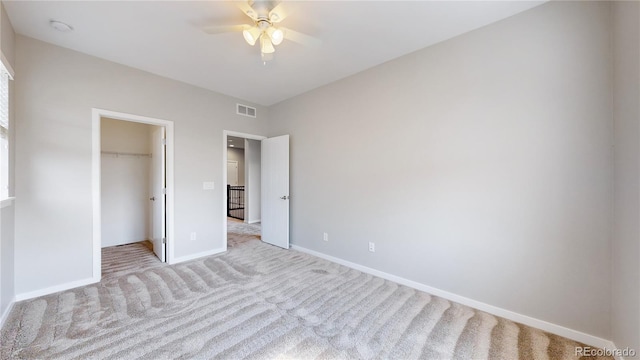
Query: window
x=4 y=131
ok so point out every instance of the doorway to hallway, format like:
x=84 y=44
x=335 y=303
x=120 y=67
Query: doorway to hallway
x=270 y=188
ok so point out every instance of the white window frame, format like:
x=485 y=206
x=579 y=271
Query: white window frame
x=6 y=75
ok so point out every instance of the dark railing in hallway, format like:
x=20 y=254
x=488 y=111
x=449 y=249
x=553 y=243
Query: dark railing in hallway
x=235 y=202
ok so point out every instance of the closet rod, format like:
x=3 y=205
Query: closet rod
x=123 y=154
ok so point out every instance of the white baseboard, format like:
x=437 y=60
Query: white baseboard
x=57 y=288
x=254 y=221
x=198 y=255
x=507 y=314
x=102 y=246
x=6 y=312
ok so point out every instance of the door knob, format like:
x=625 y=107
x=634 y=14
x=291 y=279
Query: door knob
x=152 y=198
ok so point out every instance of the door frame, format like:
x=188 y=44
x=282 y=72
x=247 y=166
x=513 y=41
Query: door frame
x=96 y=115
x=223 y=186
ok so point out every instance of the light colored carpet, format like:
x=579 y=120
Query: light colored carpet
x=123 y=259
x=240 y=232
x=260 y=302
x=235 y=226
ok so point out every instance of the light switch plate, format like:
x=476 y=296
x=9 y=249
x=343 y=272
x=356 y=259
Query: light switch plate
x=208 y=185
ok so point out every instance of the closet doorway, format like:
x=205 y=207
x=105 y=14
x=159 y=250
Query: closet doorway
x=132 y=189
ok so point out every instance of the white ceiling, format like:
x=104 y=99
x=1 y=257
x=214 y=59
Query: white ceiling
x=166 y=38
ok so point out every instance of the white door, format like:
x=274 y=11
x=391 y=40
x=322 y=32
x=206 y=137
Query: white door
x=275 y=191
x=232 y=172
x=158 y=190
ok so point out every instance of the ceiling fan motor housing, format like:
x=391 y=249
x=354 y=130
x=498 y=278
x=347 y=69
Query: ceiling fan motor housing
x=263 y=24
x=262 y=8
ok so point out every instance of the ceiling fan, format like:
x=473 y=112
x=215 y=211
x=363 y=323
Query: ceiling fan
x=265 y=14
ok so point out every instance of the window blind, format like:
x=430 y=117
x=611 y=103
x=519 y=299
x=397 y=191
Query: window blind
x=4 y=130
x=4 y=99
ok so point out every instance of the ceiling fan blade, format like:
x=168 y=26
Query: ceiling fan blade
x=301 y=38
x=278 y=14
x=247 y=9
x=225 y=29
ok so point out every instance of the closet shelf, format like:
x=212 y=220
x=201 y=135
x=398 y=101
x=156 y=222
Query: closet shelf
x=124 y=154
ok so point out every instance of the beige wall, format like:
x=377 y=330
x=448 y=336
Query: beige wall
x=56 y=89
x=625 y=316
x=125 y=136
x=480 y=166
x=7 y=38
x=7 y=243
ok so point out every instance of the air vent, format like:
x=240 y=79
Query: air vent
x=245 y=110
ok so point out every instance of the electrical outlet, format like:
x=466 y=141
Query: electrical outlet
x=372 y=247
x=325 y=237
x=193 y=236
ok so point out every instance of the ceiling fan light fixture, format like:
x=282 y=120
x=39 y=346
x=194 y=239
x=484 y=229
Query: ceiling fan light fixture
x=264 y=15
x=251 y=35
x=266 y=57
x=276 y=35
x=266 y=47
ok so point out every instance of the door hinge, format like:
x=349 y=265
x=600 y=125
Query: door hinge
x=164 y=191
x=164 y=141
x=164 y=240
